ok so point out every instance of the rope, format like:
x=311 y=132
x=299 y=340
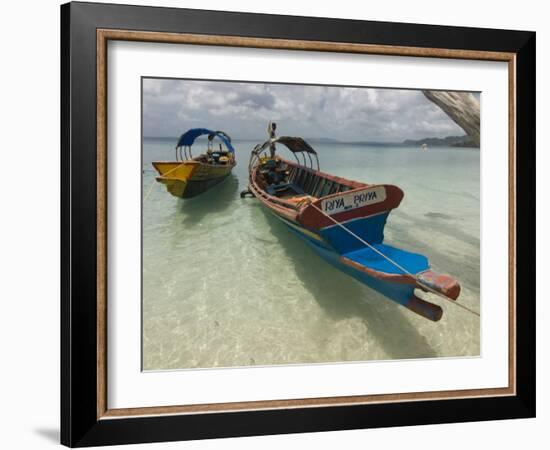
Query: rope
x=405 y=271
x=149 y=190
x=163 y=175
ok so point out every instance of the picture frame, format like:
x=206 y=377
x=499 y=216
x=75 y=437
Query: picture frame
x=86 y=419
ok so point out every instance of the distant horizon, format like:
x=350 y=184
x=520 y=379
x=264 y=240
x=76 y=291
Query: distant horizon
x=328 y=140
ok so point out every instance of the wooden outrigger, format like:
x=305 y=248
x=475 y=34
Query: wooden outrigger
x=343 y=221
x=189 y=176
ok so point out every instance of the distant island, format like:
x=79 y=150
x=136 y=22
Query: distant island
x=450 y=141
x=336 y=141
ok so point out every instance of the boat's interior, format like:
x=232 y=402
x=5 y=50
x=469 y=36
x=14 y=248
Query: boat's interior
x=370 y=257
x=218 y=157
x=289 y=181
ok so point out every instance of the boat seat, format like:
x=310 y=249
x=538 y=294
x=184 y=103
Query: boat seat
x=412 y=262
x=284 y=189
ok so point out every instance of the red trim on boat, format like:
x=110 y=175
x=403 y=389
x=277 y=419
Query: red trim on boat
x=445 y=284
x=391 y=277
x=314 y=219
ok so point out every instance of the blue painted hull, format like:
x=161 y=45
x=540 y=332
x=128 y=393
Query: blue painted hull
x=399 y=293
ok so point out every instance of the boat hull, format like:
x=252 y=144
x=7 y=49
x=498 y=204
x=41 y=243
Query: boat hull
x=343 y=221
x=190 y=178
x=399 y=293
x=398 y=288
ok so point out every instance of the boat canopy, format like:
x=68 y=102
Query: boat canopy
x=294 y=144
x=188 y=138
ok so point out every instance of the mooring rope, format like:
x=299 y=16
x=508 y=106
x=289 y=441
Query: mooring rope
x=149 y=190
x=405 y=271
x=154 y=180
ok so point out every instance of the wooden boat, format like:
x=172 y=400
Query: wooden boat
x=189 y=176
x=343 y=221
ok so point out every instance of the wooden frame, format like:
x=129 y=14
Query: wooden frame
x=86 y=418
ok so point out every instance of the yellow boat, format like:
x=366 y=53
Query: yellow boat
x=190 y=176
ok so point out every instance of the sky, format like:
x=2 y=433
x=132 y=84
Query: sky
x=243 y=110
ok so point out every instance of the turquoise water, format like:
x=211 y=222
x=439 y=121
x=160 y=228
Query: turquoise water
x=226 y=284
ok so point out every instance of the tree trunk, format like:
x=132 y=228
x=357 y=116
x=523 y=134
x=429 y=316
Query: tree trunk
x=462 y=107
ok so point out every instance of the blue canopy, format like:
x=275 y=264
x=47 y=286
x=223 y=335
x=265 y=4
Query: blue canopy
x=189 y=137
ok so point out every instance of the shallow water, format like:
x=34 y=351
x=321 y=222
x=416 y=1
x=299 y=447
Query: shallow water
x=226 y=284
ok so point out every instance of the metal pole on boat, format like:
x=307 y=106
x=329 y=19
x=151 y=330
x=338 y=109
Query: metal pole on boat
x=310 y=160
x=304 y=159
x=271 y=130
x=405 y=271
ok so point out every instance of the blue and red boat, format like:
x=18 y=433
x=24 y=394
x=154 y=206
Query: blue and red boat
x=343 y=221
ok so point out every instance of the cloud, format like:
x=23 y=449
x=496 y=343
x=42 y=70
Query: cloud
x=243 y=110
